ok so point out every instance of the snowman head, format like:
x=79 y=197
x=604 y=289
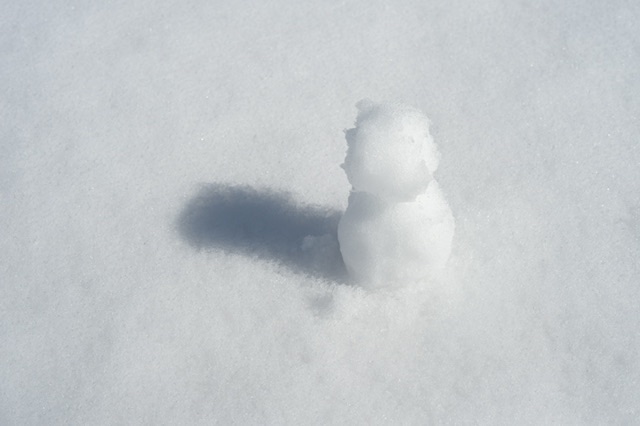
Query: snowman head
x=390 y=152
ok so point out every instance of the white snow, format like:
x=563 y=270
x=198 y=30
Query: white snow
x=122 y=124
x=391 y=154
x=398 y=227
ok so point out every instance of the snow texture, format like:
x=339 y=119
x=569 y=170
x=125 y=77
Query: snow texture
x=398 y=227
x=139 y=283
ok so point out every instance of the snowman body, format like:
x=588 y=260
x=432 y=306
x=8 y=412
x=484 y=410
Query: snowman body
x=398 y=227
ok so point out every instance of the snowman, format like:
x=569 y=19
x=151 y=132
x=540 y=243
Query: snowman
x=398 y=227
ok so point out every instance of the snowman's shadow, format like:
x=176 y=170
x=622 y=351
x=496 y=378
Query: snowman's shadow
x=264 y=224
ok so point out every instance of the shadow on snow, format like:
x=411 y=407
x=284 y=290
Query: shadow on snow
x=264 y=224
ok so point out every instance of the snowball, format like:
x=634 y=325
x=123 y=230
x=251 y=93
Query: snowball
x=390 y=152
x=398 y=227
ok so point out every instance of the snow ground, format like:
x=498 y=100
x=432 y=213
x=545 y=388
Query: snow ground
x=123 y=121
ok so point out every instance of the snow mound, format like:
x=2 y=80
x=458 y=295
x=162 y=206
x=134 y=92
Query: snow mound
x=398 y=227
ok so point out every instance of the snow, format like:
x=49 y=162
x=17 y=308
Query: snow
x=391 y=154
x=122 y=122
x=398 y=227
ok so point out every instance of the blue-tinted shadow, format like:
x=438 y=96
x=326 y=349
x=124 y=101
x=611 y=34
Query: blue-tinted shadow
x=264 y=224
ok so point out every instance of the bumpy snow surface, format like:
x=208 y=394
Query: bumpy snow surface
x=170 y=194
x=398 y=227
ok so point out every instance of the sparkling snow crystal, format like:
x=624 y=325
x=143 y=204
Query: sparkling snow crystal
x=398 y=226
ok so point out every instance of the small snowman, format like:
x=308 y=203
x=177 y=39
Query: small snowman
x=398 y=227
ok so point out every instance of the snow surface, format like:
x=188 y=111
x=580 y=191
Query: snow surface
x=398 y=227
x=124 y=122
